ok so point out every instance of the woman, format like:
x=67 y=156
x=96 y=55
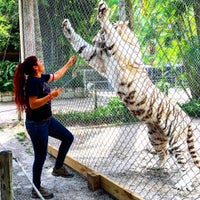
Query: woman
x=33 y=95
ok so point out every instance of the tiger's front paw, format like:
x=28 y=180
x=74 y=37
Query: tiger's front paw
x=103 y=12
x=67 y=28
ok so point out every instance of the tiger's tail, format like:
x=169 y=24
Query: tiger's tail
x=192 y=151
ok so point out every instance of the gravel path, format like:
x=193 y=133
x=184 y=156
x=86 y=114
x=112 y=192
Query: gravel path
x=64 y=189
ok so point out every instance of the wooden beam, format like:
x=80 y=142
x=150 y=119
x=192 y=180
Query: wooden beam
x=116 y=190
x=97 y=180
x=94 y=181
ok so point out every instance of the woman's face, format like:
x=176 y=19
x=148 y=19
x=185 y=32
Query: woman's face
x=40 y=66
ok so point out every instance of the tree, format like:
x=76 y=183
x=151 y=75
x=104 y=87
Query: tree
x=193 y=66
x=188 y=23
x=125 y=12
x=171 y=32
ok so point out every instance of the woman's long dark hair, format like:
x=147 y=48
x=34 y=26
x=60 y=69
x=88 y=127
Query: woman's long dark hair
x=23 y=69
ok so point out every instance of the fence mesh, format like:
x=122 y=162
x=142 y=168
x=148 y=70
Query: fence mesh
x=107 y=137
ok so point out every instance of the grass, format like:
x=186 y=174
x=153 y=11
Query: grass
x=115 y=112
x=192 y=108
x=21 y=136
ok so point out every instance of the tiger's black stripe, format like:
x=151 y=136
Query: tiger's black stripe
x=81 y=49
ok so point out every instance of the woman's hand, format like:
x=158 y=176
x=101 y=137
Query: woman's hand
x=71 y=60
x=56 y=92
x=58 y=74
x=36 y=102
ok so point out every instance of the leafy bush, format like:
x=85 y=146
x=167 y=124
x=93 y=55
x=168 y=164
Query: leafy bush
x=192 y=107
x=7 y=69
x=115 y=112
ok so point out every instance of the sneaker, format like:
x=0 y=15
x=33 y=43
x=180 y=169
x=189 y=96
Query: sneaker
x=62 y=172
x=44 y=192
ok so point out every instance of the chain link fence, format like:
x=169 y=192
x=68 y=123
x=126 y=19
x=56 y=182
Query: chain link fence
x=107 y=137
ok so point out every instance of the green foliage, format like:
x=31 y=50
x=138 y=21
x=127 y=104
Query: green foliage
x=7 y=69
x=191 y=61
x=192 y=107
x=156 y=22
x=115 y=112
x=21 y=136
x=9 y=28
x=163 y=85
x=168 y=33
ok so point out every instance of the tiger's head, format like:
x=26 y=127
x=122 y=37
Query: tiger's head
x=100 y=41
x=125 y=32
x=121 y=27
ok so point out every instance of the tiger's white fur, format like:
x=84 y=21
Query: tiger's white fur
x=116 y=54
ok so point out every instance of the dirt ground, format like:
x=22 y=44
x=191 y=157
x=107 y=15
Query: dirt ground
x=12 y=138
x=119 y=152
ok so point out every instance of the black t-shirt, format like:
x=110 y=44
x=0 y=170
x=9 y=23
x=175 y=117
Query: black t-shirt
x=38 y=87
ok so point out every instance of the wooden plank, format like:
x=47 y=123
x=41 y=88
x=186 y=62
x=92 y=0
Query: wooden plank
x=105 y=183
x=117 y=191
x=94 y=181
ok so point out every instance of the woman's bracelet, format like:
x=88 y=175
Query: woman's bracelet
x=50 y=96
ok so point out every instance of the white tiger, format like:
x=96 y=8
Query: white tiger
x=116 y=54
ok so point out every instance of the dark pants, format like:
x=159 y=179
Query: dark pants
x=39 y=132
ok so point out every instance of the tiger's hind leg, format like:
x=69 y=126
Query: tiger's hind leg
x=184 y=182
x=162 y=153
x=160 y=144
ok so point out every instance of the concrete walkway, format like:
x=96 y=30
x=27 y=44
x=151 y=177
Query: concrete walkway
x=8 y=112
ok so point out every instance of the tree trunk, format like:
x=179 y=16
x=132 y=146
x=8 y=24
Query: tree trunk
x=193 y=66
x=31 y=34
x=28 y=28
x=38 y=37
x=125 y=12
x=6 y=171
